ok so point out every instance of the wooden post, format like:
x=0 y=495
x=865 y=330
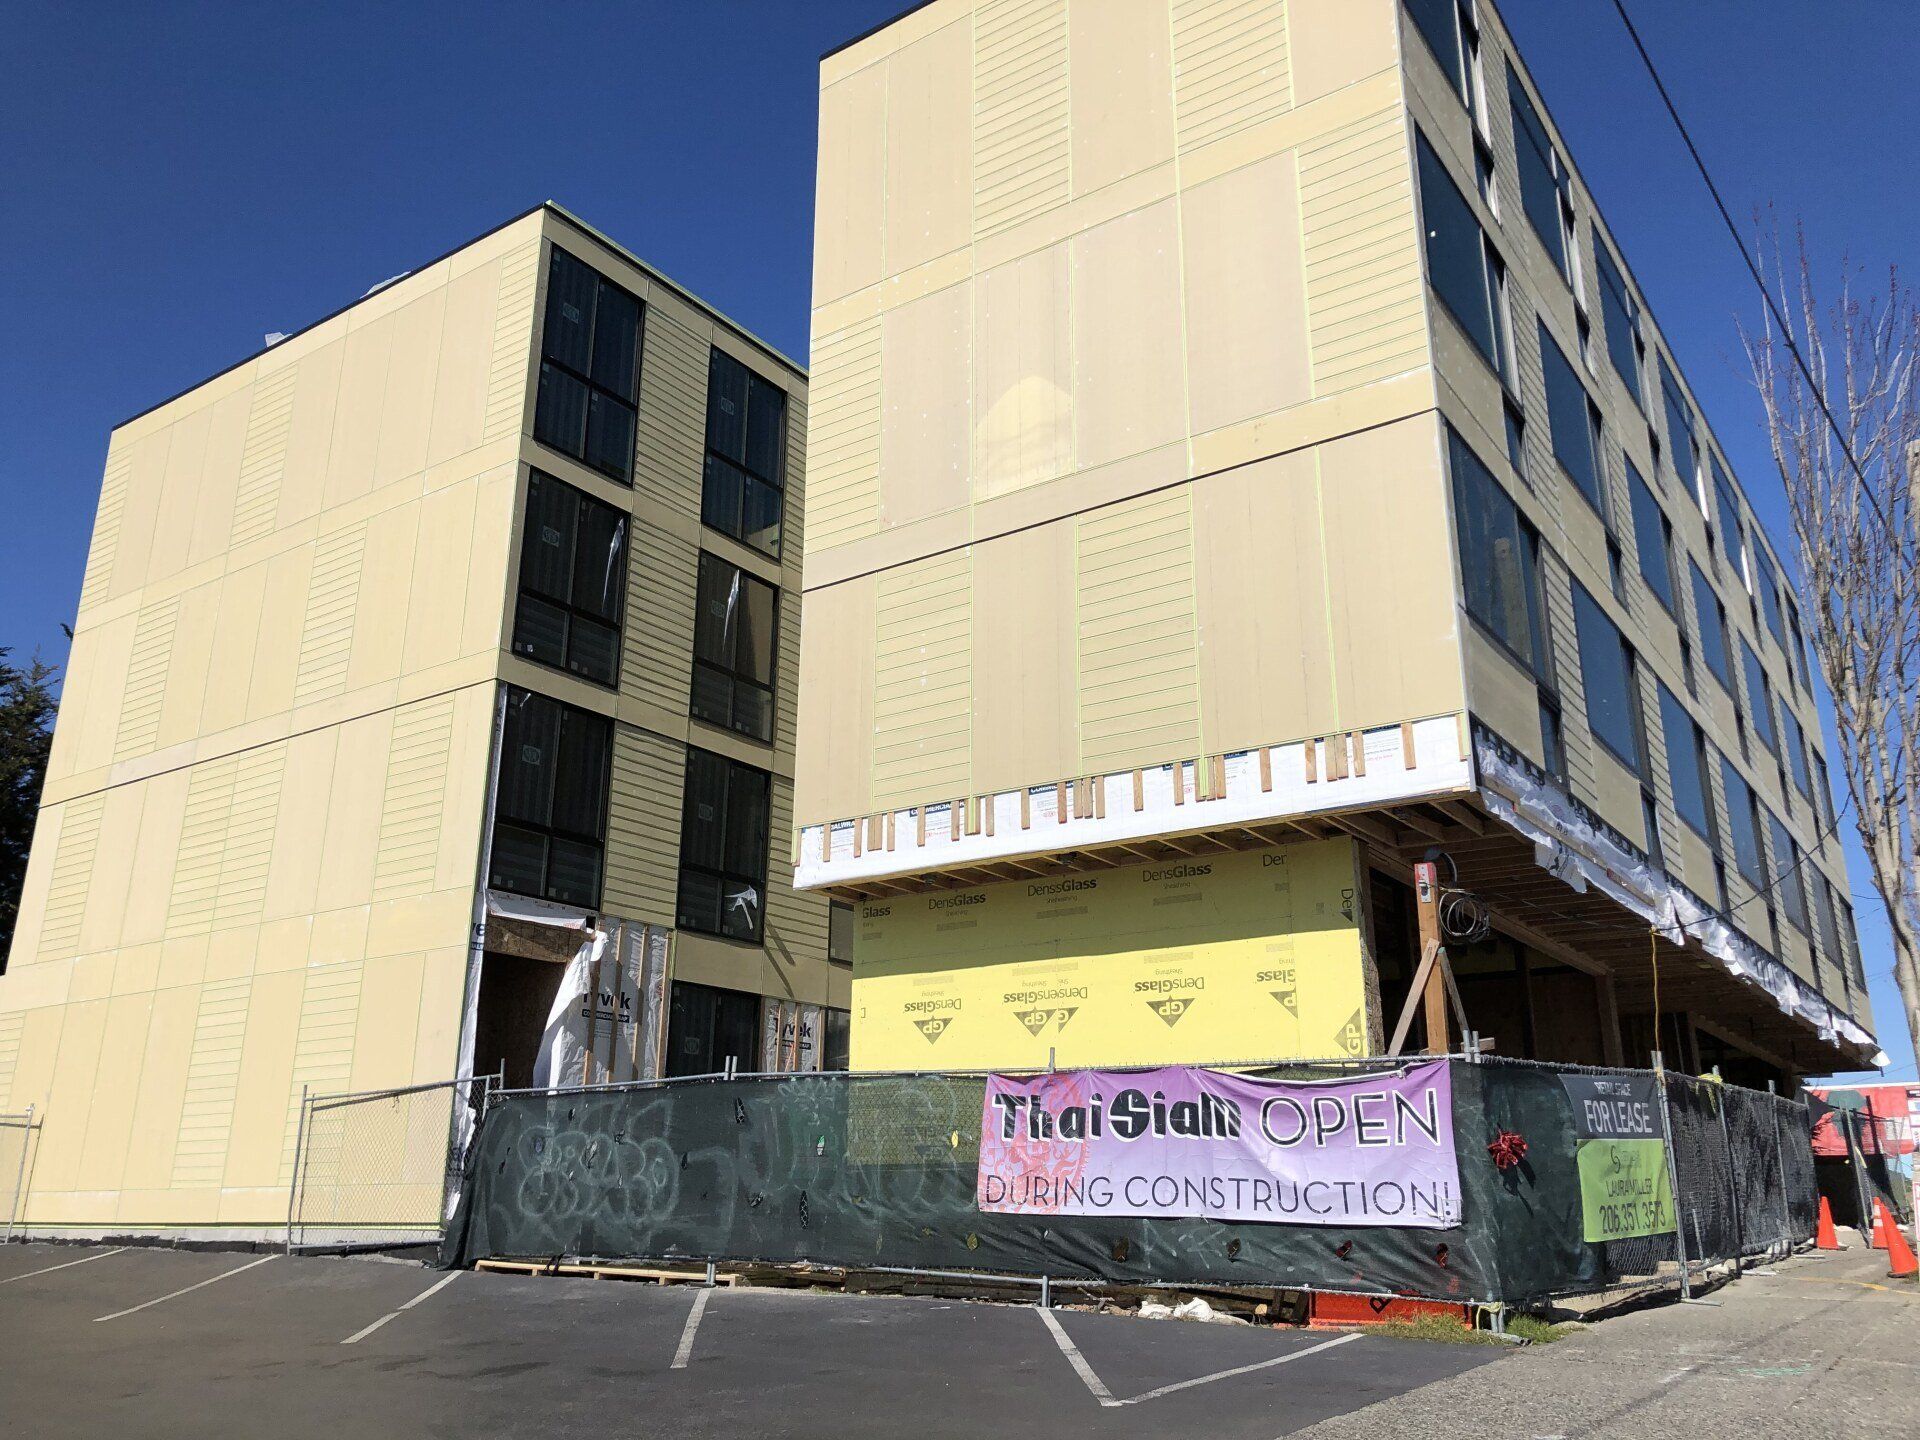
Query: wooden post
x=1426 y=894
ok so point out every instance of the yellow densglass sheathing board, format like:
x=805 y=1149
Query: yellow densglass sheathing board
x=1221 y=957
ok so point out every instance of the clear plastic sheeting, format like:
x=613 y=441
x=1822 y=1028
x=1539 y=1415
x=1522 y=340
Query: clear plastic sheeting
x=1569 y=845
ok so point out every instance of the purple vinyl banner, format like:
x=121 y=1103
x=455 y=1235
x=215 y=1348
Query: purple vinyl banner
x=1371 y=1150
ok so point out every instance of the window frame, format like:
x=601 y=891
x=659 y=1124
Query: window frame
x=1499 y=512
x=1765 y=728
x=1735 y=784
x=628 y=404
x=1674 y=714
x=1530 y=133
x=1491 y=272
x=1592 y=427
x=732 y=672
x=568 y=717
x=1634 y=756
x=1640 y=498
x=1614 y=295
x=1703 y=591
x=744 y=477
x=722 y=873
x=570 y=607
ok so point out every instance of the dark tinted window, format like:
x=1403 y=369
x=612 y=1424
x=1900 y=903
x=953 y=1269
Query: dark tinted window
x=1541 y=175
x=1793 y=884
x=1796 y=742
x=1460 y=263
x=1438 y=22
x=1766 y=580
x=746 y=454
x=835 y=1043
x=1743 y=813
x=1621 y=317
x=1652 y=538
x=1686 y=764
x=1759 y=698
x=1607 y=672
x=707 y=1027
x=1680 y=449
x=1573 y=421
x=1499 y=559
x=573 y=581
x=733 y=632
x=1830 y=942
x=589 y=367
x=723 y=847
x=1712 y=619
x=550 y=807
x=1726 y=507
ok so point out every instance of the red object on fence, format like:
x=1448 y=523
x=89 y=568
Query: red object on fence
x=1329 y=1310
x=1825 y=1237
x=1508 y=1149
x=1898 y=1251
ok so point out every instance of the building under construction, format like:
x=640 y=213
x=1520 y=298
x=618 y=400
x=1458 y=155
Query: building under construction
x=1245 y=469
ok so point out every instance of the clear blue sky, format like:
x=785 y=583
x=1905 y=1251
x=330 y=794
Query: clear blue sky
x=180 y=180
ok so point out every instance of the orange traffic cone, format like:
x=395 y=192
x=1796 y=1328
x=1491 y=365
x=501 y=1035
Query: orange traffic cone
x=1880 y=1223
x=1825 y=1237
x=1899 y=1253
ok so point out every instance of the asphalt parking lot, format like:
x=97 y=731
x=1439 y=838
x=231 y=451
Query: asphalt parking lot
x=148 y=1342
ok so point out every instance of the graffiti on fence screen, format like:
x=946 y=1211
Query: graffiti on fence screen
x=1371 y=1150
x=1621 y=1154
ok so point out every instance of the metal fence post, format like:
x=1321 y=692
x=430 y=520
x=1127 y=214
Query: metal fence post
x=1780 y=1164
x=293 y=1187
x=1673 y=1176
x=1857 y=1156
x=20 y=1178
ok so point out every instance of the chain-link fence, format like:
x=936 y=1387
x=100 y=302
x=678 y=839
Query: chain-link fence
x=1879 y=1159
x=16 y=1159
x=1572 y=1180
x=379 y=1167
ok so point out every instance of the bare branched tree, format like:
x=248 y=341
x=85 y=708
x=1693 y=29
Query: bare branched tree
x=1856 y=528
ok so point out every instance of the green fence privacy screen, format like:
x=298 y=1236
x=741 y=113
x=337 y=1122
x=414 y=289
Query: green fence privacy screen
x=880 y=1171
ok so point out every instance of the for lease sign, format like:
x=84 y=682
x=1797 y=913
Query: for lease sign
x=1178 y=1141
x=1622 y=1156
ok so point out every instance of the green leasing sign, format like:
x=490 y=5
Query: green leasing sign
x=1624 y=1189
x=1622 y=1156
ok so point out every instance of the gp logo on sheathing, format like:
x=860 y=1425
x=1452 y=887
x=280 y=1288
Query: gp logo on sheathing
x=1038 y=1020
x=1170 y=1009
x=933 y=1027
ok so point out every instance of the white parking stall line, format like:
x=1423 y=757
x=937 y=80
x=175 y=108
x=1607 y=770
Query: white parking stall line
x=1157 y=1392
x=685 y=1352
x=426 y=1294
x=1079 y=1362
x=117 y=1250
x=184 y=1290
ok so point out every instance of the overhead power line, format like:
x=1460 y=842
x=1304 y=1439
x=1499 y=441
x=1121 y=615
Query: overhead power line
x=1753 y=269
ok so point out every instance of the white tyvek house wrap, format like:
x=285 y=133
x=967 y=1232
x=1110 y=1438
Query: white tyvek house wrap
x=1566 y=844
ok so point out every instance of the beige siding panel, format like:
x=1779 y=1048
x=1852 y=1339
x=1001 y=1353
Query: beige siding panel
x=411 y=811
x=1246 y=295
x=11 y=1028
x=1138 y=696
x=463 y=369
x=412 y=377
x=643 y=826
x=66 y=906
x=1392 y=617
x=923 y=683
x=140 y=511
x=673 y=414
x=1231 y=67
x=323 y=1052
x=1024 y=639
x=925 y=429
x=1129 y=393
x=850 y=185
x=106 y=526
x=794 y=521
x=333 y=599
x=512 y=344
x=1337 y=42
x=363 y=399
x=796 y=928
x=213 y=1077
x=263 y=458
x=1022 y=154
x=1023 y=373
x=1366 y=299
x=929 y=211
x=656 y=659
x=1266 y=667
x=146 y=690
x=833 y=771
x=786 y=677
x=1121 y=58
x=246 y=849
x=203 y=838
x=843 y=499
